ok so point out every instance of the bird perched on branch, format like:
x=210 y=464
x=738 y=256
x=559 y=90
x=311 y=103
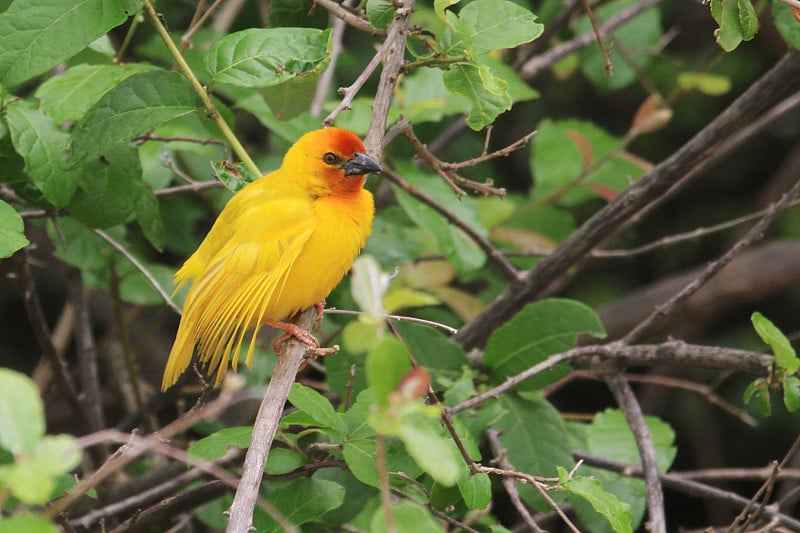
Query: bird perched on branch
x=280 y=245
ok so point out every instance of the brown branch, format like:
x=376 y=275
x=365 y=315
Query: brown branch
x=756 y=233
x=626 y=400
x=495 y=255
x=785 y=75
x=350 y=17
x=240 y=517
x=599 y=37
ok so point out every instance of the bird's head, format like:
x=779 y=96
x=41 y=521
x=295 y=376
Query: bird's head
x=334 y=159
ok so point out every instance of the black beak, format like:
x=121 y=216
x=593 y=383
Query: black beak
x=361 y=164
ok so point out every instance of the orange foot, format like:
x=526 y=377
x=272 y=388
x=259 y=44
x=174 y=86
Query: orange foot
x=291 y=330
x=320 y=307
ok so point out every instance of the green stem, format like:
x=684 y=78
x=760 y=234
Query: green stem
x=211 y=109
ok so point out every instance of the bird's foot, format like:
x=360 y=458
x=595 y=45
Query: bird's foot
x=291 y=330
x=320 y=307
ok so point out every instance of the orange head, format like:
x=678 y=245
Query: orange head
x=333 y=160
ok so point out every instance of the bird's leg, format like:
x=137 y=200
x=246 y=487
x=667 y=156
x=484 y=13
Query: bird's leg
x=291 y=330
x=320 y=307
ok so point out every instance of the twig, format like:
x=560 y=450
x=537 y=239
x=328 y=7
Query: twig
x=327 y=77
x=400 y=318
x=538 y=64
x=672 y=353
x=140 y=267
x=626 y=400
x=599 y=37
x=240 y=518
x=509 y=271
x=211 y=109
x=349 y=17
x=192 y=187
x=148 y=136
x=196 y=24
x=755 y=234
x=508 y=483
x=785 y=75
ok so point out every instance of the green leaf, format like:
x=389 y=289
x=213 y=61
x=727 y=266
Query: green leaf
x=785 y=356
x=387 y=362
x=444 y=359
x=32 y=477
x=40 y=143
x=299 y=501
x=541 y=329
x=139 y=103
x=706 y=83
x=430 y=450
x=759 y=389
x=534 y=437
x=216 y=445
x=234 y=176
x=748 y=19
x=361 y=456
x=787 y=24
x=609 y=436
x=258 y=57
x=737 y=22
x=316 y=406
x=36 y=35
x=380 y=13
x=27 y=522
x=487 y=93
x=136 y=289
x=293 y=97
x=21 y=412
x=148 y=216
x=494 y=24
x=283 y=460
x=12 y=231
x=368 y=285
x=618 y=513
x=109 y=189
x=476 y=490
x=70 y=94
x=791 y=393
x=407 y=517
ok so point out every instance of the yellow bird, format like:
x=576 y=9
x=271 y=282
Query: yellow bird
x=280 y=245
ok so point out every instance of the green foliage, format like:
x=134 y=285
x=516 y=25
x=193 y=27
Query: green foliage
x=787 y=23
x=12 y=236
x=786 y=365
x=617 y=513
x=737 y=22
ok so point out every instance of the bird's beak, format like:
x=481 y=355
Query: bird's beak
x=361 y=164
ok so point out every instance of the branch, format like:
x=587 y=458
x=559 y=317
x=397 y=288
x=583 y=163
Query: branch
x=785 y=75
x=240 y=519
x=626 y=400
x=351 y=18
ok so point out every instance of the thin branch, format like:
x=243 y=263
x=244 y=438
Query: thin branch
x=196 y=24
x=240 y=518
x=192 y=187
x=327 y=77
x=755 y=234
x=350 y=17
x=495 y=255
x=599 y=37
x=400 y=318
x=144 y=137
x=140 y=267
x=626 y=400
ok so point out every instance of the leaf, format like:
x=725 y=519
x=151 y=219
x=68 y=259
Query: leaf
x=27 y=522
x=139 y=103
x=785 y=356
x=316 y=406
x=234 y=176
x=433 y=453
x=651 y=116
x=550 y=326
x=258 y=57
x=748 y=19
x=109 y=189
x=487 y=94
x=70 y=94
x=380 y=13
x=40 y=143
x=283 y=460
x=791 y=393
x=12 y=231
x=148 y=216
x=787 y=20
x=609 y=436
x=299 y=501
x=759 y=389
x=21 y=412
x=476 y=490
x=496 y=24
x=443 y=358
x=216 y=445
x=618 y=513
x=368 y=285
x=361 y=457
x=32 y=477
x=36 y=35
x=386 y=365
x=706 y=83
x=407 y=517
x=737 y=22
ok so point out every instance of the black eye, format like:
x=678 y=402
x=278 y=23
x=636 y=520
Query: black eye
x=330 y=158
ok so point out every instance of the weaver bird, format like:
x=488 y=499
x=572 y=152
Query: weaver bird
x=280 y=245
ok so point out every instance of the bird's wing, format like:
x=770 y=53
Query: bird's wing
x=247 y=257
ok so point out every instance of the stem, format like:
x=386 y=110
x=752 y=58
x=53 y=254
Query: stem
x=211 y=109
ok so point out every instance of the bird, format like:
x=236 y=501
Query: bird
x=280 y=245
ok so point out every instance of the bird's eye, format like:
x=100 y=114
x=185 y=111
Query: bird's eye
x=330 y=158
